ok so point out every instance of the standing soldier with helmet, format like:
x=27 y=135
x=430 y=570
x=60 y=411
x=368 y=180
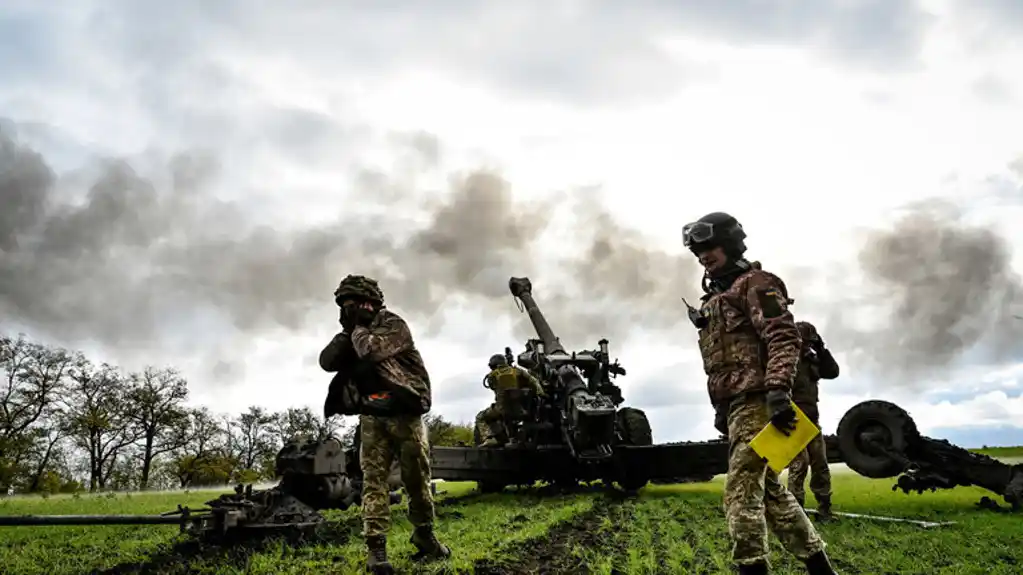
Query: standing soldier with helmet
x=750 y=348
x=388 y=386
x=815 y=363
x=504 y=380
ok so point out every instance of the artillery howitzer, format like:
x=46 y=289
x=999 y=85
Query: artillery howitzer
x=575 y=433
x=315 y=475
x=879 y=439
x=579 y=433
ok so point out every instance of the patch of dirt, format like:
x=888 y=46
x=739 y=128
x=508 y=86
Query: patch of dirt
x=554 y=551
x=185 y=556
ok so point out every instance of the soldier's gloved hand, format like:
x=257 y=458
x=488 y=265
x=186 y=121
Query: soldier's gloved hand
x=817 y=344
x=721 y=422
x=347 y=319
x=721 y=419
x=779 y=406
x=363 y=317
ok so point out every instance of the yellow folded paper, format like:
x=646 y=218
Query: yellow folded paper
x=779 y=449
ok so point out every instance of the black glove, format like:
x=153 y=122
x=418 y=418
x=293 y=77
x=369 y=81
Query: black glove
x=364 y=317
x=721 y=419
x=782 y=414
x=347 y=318
x=817 y=344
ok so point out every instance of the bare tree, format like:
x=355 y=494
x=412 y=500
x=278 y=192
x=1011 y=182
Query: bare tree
x=207 y=455
x=253 y=435
x=48 y=442
x=98 y=418
x=205 y=434
x=34 y=376
x=295 y=422
x=331 y=427
x=157 y=398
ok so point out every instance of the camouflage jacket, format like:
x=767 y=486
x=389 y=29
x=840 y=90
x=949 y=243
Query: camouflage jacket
x=750 y=342
x=387 y=344
x=813 y=367
x=522 y=380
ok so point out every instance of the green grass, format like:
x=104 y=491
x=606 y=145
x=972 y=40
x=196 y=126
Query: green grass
x=666 y=529
x=1000 y=452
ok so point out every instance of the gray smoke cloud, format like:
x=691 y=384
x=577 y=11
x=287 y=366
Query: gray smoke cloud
x=134 y=261
x=946 y=294
x=136 y=258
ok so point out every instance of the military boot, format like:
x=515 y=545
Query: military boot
x=426 y=542
x=824 y=508
x=759 y=568
x=819 y=564
x=376 y=558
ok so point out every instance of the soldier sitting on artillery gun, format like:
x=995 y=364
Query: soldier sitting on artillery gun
x=511 y=386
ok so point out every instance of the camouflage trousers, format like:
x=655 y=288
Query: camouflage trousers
x=491 y=419
x=486 y=419
x=755 y=499
x=385 y=439
x=815 y=460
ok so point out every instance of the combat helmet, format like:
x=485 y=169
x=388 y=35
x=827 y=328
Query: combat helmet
x=716 y=229
x=359 y=288
x=497 y=360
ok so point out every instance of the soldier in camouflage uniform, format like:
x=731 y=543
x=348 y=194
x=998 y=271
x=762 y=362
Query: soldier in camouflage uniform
x=750 y=347
x=815 y=363
x=501 y=379
x=391 y=393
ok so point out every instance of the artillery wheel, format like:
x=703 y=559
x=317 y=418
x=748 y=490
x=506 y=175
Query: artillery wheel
x=875 y=421
x=635 y=428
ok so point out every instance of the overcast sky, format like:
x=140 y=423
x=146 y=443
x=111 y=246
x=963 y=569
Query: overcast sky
x=185 y=184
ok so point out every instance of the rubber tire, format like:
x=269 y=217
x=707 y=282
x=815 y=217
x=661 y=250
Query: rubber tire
x=635 y=431
x=635 y=426
x=897 y=423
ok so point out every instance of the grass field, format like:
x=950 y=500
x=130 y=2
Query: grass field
x=1002 y=452
x=666 y=529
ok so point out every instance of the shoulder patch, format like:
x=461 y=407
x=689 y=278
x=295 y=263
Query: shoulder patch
x=770 y=302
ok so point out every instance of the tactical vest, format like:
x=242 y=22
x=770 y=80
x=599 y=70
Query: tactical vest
x=504 y=378
x=734 y=356
x=729 y=342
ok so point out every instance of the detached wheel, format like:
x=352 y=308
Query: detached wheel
x=635 y=430
x=868 y=424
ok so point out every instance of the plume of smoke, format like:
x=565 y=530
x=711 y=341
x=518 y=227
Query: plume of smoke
x=950 y=290
x=139 y=258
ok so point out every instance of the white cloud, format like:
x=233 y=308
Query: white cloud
x=809 y=124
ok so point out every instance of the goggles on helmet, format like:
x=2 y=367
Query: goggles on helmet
x=697 y=233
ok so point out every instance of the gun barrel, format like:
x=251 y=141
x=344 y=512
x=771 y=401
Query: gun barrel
x=15 y=520
x=522 y=289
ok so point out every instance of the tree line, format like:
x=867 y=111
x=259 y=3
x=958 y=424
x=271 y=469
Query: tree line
x=68 y=424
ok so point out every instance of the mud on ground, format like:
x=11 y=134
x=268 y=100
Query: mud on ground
x=570 y=546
